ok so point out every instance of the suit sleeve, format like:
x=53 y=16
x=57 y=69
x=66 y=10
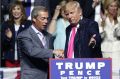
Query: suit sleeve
x=32 y=49
x=93 y=29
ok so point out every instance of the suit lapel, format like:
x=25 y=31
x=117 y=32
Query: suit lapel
x=78 y=40
x=76 y=36
x=12 y=28
x=47 y=41
x=68 y=35
x=68 y=32
x=20 y=28
x=35 y=37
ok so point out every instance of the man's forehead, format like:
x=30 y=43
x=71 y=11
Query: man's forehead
x=42 y=13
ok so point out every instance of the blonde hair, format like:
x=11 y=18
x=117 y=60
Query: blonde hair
x=72 y=5
x=106 y=4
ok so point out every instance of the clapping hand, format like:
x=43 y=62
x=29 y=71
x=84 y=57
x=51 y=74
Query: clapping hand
x=8 y=33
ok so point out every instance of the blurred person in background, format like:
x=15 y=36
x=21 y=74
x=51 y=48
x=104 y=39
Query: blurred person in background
x=109 y=26
x=5 y=10
x=17 y=22
x=58 y=26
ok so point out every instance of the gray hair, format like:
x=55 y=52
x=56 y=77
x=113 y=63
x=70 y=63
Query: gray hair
x=35 y=11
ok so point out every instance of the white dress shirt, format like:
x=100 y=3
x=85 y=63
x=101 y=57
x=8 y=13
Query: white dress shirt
x=40 y=35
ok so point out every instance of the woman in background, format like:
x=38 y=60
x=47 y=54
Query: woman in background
x=59 y=27
x=110 y=28
x=17 y=22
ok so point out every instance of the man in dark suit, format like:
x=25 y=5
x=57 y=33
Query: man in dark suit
x=87 y=40
x=34 y=46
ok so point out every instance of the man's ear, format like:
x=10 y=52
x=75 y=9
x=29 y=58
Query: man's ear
x=80 y=13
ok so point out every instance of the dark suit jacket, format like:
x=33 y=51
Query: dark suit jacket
x=88 y=11
x=85 y=31
x=8 y=45
x=34 y=57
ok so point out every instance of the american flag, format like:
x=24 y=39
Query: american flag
x=10 y=73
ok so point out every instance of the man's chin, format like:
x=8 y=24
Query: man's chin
x=44 y=28
x=73 y=23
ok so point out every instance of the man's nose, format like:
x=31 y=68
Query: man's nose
x=46 y=20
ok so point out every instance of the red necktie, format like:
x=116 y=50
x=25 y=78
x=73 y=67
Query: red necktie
x=71 y=44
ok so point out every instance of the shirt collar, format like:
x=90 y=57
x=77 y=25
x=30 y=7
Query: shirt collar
x=78 y=25
x=36 y=31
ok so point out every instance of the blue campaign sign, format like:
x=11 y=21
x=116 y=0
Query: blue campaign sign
x=80 y=68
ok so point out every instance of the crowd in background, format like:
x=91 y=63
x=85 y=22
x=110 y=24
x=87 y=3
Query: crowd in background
x=15 y=18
